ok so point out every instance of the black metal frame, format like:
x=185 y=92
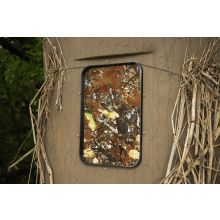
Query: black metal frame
x=82 y=113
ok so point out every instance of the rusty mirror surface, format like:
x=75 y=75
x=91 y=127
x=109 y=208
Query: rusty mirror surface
x=111 y=115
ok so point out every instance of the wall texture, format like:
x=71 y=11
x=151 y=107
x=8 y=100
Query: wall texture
x=160 y=89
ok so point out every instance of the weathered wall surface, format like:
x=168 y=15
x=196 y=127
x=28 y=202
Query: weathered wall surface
x=160 y=89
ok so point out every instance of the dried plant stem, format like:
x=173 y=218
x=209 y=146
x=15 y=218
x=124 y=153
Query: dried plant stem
x=21 y=159
x=190 y=130
x=177 y=132
x=194 y=157
x=54 y=76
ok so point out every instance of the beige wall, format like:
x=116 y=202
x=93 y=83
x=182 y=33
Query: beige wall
x=160 y=89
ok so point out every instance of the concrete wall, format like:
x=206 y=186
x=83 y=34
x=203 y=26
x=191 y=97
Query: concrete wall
x=160 y=89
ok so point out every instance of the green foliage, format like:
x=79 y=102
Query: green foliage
x=19 y=81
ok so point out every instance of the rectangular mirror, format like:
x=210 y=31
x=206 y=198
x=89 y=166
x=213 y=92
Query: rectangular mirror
x=111 y=115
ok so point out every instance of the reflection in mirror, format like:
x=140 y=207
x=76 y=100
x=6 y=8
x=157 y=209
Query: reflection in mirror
x=111 y=115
